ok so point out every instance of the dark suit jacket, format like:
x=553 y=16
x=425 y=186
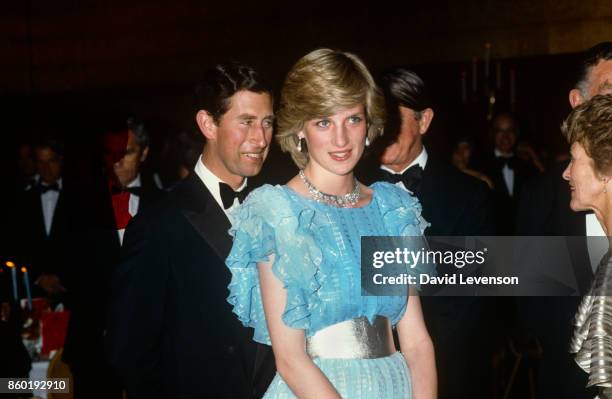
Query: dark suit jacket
x=171 y=332
x=544 y=210
x=98 y=244
x=41 y=252
x=505 y=205
x=455 y=204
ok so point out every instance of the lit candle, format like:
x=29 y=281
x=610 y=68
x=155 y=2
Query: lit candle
x=487 y=58
x=463 y=87
x=498 y=75
x=26 y=283
x=474 y=75
x=11 y=266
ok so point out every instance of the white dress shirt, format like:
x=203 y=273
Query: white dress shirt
x=597 y=247
x=507 y=172
x=133 y=204
x=421 y=160
x=211 y=181
x=48 y=202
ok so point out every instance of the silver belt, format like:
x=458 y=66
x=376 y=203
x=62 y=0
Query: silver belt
x=353 y=339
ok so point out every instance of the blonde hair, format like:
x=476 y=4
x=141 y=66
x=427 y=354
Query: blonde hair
x=321 y=83
x=590 y=124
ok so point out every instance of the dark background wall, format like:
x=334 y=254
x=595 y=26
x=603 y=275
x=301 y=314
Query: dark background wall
x=65 y=63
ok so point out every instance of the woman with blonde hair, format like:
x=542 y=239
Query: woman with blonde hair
x=588 y=129
x=295 y=261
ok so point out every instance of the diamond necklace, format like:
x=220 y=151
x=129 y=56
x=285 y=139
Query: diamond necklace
x=340 y=201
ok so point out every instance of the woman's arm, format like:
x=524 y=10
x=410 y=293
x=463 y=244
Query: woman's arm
x=292 y=362
x=418 y=349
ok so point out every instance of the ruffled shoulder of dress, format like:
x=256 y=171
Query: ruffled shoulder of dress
x=265 y=224
x=401 y=210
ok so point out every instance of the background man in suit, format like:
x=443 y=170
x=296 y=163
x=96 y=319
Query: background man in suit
x=544 y=210
x=121 y=193
x=455 y=204
x=171 y=332
x=46 y=215
x=507 y=171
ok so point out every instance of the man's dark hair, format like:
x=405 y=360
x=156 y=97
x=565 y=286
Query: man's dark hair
x=404 y=87
x=50 y=141
x=401 y=87
x=138 y=128
x=590 y=58
x=120 y=123
x=220 y=83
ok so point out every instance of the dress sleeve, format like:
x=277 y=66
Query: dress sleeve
x=401 y=212
x=263 y=225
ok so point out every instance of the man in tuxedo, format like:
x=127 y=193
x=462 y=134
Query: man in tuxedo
x=544 y=210
x=47 y=215
x=507 y=171
x=455 y=204
x=171 y=332
x=122 y=193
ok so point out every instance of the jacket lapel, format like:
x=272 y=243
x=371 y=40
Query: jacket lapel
x=205 y=215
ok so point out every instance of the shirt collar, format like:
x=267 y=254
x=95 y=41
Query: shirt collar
x=421 y=160
x=211 y=181
x=42 y=183
x=499 y=154
x=136 y=182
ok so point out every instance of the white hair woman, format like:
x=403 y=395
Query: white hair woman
x=588 y=129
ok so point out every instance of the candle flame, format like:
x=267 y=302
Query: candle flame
x=24 y=270
x=9 y=264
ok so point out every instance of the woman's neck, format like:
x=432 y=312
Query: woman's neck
x=330 y=183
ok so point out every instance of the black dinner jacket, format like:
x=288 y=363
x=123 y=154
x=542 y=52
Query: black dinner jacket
x=171 y=332
x=453 y=202
x=504 y=204
x=97 y=250
x=44 y=253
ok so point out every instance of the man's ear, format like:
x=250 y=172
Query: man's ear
x=575 y=98
x=426 y=118
x=145 y=154
x=206 y=124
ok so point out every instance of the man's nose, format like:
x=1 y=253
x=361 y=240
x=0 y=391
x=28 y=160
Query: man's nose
x=258 y=135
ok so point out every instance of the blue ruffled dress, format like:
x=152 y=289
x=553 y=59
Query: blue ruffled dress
x=317 y=251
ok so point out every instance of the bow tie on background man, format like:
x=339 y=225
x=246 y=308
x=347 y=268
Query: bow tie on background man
x=509 y=161
x=228 y=195
x=137 y=190
x=411 y=178
x=43 y=188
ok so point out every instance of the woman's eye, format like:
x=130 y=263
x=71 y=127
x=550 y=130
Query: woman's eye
x=323 y=123
x=355 y=119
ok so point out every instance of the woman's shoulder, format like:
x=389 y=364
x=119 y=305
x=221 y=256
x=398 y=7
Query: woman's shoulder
x=267 y=203
x=267 y=192
x=401 y=210
x=392 y=193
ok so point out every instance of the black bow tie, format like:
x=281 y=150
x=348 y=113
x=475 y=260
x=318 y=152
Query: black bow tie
x=132 y=190
x=502 y=161
x=411 y=178
x=228 y=195
x=43 y=188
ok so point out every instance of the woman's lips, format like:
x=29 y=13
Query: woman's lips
x=340 y=155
